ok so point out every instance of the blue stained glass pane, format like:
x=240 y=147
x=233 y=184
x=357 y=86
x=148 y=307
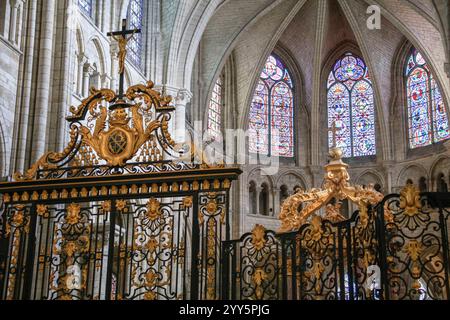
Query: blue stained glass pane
x=215 y=110
x=363 y=119
x=272 y=112
x=427 y=114
x=351 y=107
x=86 y=6
x=440 y=121
x=135 y=19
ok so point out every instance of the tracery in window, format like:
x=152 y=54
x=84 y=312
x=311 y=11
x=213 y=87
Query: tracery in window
x=271 y=118
x=135 y=18
x=427 y=114
x=215 y=109
x=351 y=107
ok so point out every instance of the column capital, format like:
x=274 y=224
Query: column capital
x=14 y=3
x=183 y=97
x=82 y=59
x=180 y=96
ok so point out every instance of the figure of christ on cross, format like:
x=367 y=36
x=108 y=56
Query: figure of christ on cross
x=122 y=37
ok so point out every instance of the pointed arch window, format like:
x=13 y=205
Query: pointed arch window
x=215 y=109
x=427 y=114
x=351 y=107
x=86 y=6
x=135 y=17
x=271 y=117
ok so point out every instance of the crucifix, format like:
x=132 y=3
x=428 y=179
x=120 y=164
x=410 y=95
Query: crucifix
x=122 y=37
x=334 y=130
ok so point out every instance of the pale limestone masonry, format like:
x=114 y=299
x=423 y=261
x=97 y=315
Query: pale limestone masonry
x=51 y=53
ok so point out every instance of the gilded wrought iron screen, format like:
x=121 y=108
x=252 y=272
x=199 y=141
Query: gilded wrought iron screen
x=123 y=212
x=397 y=250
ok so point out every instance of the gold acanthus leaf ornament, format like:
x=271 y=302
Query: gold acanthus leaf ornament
x=153 y=209
x=410 y=200
x=122 y=141
x=50 y=159
x=73 y=213
x=258 y=237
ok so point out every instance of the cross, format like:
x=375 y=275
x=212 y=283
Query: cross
x=333 y=131
x=122 y=40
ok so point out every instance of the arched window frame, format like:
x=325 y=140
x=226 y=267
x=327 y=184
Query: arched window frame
x=87 y=7
x=356 y=134
x=135 y=19
x=215 y=109
x=432 y=110
x=262 y=125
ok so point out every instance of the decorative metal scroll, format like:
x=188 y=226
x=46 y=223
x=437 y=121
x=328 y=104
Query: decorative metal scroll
x=336 y=187
x=251 y=266
x=109 y=135
x=415 y=246
x=122 y=213
x=127 y=242
x=396 y=250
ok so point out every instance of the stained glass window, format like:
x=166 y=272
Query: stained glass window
x=135 y=18
x=351 y=107
x=215 y=110
x=86 y=6
x=427 y=116
x=271 y=118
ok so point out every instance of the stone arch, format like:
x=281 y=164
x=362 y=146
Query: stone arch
x=398 y=108
x=382 y=138
x=291 y=175
x=261 y=180
x=414 y=26
x=302 y=124
x=187 y=34
x=440 y=167
x=220 y=39
x=79 y=39
x=413 y=172
x=102 y=62
x=123 y=11
x=128 y=81
x=272 y=42
x=370 y=177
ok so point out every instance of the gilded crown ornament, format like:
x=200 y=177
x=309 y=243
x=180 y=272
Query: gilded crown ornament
x=336 y=187
x=110 y=128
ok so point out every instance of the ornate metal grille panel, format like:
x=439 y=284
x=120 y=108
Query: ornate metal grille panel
x=397 y=250
x=127 y=243
x=415 y=247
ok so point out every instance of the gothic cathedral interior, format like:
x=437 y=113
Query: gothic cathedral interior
x=224 y=150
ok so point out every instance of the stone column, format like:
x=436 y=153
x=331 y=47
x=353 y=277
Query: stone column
x=13 y=21
x=153 y=40
x=258 y=193
x=114 y=66
x=5 y=13
x=81 y=61
x=101 y=8
x=20 y=18
x=276 y=202
x=182 y=98
x=43 y=79
x=65 y=55
x=86 y=76
x=22 y=116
